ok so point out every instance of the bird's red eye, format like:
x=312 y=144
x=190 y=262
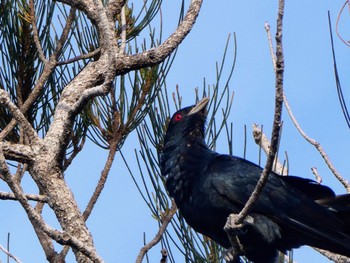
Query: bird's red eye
x=177 y=117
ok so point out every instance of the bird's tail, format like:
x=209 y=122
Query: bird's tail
x=340 y=206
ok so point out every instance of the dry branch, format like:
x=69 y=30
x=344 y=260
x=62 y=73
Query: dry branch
x=9 y=254
x=31 y=197
x=239 y=219
x=45 y=157
x=165 y=220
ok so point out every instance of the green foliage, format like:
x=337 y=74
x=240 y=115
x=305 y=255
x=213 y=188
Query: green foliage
x=179 y=237
x=138 y=100
x=103 y=119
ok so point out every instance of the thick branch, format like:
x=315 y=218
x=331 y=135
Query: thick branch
x=36 y=219
x=17 y=152
x=157 y=55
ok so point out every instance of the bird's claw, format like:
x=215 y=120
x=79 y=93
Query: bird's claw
x=238 y=229
x=232 y=255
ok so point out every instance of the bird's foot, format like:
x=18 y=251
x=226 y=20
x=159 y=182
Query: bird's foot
x=232 y=255
x=239 y=229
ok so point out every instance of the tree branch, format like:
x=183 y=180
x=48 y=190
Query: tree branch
x=31 y=197
x=166 y=218
x=49 y=66
x=318 y=146
x=235 y=220
x=9 y=254
x=18 y=115
x=17 y=152
x=36 y=219
x=277 y=118
x=313 y=142
x=156 y=55
x=261 y=140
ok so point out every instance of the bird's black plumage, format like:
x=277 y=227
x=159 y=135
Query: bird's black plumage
x=208 y=187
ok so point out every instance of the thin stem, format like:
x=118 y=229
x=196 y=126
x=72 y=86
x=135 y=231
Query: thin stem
x=123 y=34
x=9 y=254
x=318 y=146
x=277 y=119
x=166 y=218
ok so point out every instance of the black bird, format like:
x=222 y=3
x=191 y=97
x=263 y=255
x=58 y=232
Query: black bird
x=208 y=187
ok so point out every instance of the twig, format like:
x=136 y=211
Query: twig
x=36 y=219
x=103 y=178
x=82 y=56
x=18 y=115
x=9 y=254
x=261 y=139
x=123 y=34
x=49 y=66
x=317 y=175
x=337 y=24
x=269 y=38
x=332 y=256
x=166 y=218
x=318 y=146
x=313 y=142
x=337 y=78
x=32 y=197
x=35 y=31
x=277 y=119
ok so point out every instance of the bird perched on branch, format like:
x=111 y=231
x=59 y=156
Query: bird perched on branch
x=208 y=187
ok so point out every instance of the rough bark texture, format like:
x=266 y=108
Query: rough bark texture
x=45 y=156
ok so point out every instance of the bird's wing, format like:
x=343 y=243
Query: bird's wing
x=309 y=187
x=235 y=179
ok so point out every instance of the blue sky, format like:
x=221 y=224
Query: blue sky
x=120 y=217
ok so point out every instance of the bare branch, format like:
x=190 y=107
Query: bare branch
x=64 y=35
x=261 y=140
x=313 y=142
x=31 y=197
x=269 y=38
x=123 y=35
x=9 y=254
x=277 y=119
x=332 y=256
x=346 y=3
x=166 y=218
x=36 y=219
x=318 y=146
x=156 y=55
x=317 y=175
x=103 y=178
x=82 y=56
x=18 y=115
x=17 y=152
x=35 y=31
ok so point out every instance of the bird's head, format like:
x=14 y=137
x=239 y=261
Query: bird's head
x=183 y=148
x=187 y=124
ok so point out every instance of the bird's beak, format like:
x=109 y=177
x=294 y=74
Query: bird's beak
x=199 y=106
